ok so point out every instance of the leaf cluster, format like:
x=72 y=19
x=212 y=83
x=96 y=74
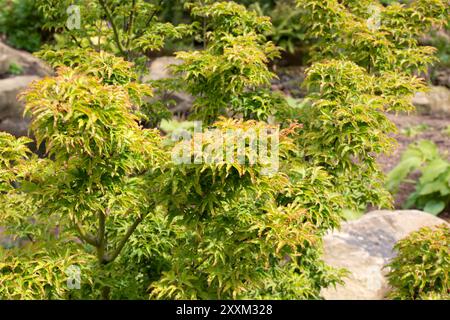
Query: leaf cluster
x=420 y=271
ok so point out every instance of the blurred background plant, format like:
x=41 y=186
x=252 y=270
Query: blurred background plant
x=412 y=131
x=22 y=24
x=15 y=69
x=432 y=190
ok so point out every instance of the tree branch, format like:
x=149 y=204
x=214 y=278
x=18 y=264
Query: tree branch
x=30 y=237
x=130 y=26
x=74 y=38
x=124 y=240
x=86 y=237
x=101 y=240
x=113 y=25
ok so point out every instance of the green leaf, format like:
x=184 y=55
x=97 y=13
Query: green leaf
x=434 y=207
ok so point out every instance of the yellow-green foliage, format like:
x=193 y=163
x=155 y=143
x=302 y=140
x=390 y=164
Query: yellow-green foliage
x=12 y=151
x=384 y=40
x=231 y=74
x=420 y=271
x=240 y=226
x=125 y=28
x=92 y=180
x=377 y=37
x=34 y=272
x=362 y=70
x=153 y=227
x=108 y=182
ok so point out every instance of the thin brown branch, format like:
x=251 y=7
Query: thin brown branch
x=74 y=39
x=101 y=240
x=85 y=236
x=130 y=25
x=124 y=240
x=113 y=25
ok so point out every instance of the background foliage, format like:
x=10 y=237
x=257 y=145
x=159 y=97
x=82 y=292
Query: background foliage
x=432 y=192
x=22 y=24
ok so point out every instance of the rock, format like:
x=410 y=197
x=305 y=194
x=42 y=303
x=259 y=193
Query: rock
x=30 y=64
x=435 y=102
x=442 y=77
x=11 y=110
x=159 y=70
x=4 y=63
x=365 y=246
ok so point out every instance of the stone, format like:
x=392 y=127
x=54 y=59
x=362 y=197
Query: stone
x=442 y=77
x=11 y=110
x=435 y=102
x=364 y=247
x=160 y=69
x=4 y=63
x=29 y=63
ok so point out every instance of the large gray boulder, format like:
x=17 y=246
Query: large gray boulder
x=365 y=246
x=29 y=63
x=11 y=110
x=435 y=102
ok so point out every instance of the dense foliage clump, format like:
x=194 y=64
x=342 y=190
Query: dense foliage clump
x=367 y=65
x=231 y=74
x=421 y=269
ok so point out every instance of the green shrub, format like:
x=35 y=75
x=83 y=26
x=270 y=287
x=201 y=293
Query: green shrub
x=15 y=69
x=361 y=73
x=432 y=192
x=441 y=42
x=420 y=271
x=149 y=225
x=96 y=146
x=129 y=29
x=108 y=182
